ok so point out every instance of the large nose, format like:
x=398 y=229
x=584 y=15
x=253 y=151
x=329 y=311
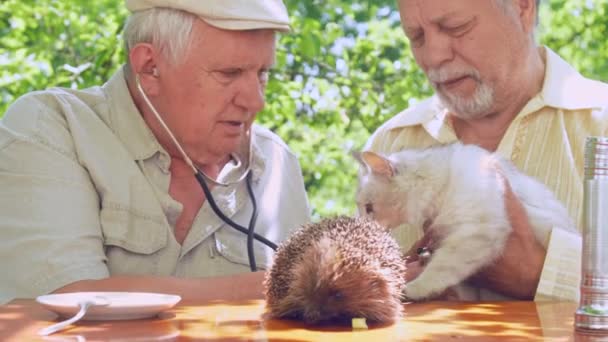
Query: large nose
x=436 y=51
x=251 y=93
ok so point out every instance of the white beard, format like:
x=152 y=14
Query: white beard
x=475 y=107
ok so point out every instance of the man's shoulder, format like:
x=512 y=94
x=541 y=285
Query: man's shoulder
x=267 y=138
x=417 y=114
x=56 y=96
x=586 y=92
x=411 y=118
x=25 y=114
x=565 y=87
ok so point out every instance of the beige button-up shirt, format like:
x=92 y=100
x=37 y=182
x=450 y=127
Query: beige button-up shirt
x=85 y=195
x=546 y=140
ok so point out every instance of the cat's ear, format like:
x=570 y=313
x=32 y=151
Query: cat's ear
x=357 y=156
x=378 y=164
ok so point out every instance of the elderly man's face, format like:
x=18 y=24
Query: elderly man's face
x=211 y=100
x=469 y=50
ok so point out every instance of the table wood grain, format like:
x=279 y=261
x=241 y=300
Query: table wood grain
x=229 y=321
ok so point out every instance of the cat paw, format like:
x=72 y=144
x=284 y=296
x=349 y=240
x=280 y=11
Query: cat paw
x=416 y=291
x=424 y=289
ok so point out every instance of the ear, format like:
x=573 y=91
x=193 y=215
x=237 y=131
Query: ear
x=378 y=164
x=358 y=158
x=527 y=13
x=144 y=63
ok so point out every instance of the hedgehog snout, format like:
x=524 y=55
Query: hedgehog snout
x=319 y=313
x=324 y=306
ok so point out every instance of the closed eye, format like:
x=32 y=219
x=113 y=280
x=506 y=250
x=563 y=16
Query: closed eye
x=459 y=30
x=226 y=76
x=456 y=31
x=231 y=72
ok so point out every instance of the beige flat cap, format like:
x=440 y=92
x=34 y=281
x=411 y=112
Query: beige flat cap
x=226 y=14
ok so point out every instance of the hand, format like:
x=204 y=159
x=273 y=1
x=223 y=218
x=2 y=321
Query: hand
x=517 y=271
x=415 y=265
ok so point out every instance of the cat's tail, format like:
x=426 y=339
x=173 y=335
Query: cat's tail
x=544 y=210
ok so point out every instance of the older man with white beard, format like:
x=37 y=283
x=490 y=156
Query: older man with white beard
x=496 y=88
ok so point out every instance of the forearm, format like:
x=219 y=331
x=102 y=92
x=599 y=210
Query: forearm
x=517 y=271
x=561 y=276
x=235 y=287
x=522 y=280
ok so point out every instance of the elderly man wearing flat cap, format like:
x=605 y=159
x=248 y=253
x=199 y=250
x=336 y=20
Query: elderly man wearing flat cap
x=158 y=180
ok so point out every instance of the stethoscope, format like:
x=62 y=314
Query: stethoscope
x=202 y=179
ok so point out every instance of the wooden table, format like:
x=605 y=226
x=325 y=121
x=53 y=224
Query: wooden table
x=219 y=321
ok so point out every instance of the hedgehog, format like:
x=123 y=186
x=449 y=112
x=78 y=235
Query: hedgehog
x=335 y=270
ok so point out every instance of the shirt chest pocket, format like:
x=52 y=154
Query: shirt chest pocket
x=131 y=217
x=135 y=243
x=133 y=231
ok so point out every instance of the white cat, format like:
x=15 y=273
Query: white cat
x=457 y=192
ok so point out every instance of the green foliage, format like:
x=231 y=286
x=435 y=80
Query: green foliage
x=577 y=30
x=344 y=70
x=66 y=43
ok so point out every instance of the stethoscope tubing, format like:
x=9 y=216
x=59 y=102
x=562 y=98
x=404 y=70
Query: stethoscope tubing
x=201 y=176
x=250 y=231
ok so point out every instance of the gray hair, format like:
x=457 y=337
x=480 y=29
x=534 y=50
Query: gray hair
x=168 y=30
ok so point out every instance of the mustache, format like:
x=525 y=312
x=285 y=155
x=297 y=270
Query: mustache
x=447 y=74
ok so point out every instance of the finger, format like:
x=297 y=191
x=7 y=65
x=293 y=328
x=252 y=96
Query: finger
x=410 y=258
x=425 y=241
x=413 y=270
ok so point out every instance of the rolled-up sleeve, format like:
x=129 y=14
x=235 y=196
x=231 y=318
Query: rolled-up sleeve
x=561 y=274
x=50 y=232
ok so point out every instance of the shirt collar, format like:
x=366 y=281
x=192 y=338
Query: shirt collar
x=422 y=112
x=429 y=113
x=563 y=87
x=128 y=124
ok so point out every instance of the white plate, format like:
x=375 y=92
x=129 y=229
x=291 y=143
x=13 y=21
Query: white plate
x=119 y=305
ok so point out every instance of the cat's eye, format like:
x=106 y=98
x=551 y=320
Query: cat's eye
x=369 y=208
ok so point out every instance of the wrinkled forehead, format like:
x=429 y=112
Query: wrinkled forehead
x=418 y=12
x=215 y=46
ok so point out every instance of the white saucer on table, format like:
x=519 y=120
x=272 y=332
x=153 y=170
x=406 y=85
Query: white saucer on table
x=110 y=305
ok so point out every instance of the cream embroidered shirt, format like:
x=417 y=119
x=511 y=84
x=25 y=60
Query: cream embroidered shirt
x=546 y=140
x=85 y=195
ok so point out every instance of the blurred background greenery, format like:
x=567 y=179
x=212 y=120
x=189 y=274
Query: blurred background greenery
x=344 y=69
